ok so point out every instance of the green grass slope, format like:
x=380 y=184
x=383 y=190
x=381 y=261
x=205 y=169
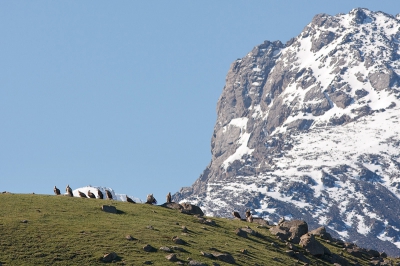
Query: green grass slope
x=61 y=230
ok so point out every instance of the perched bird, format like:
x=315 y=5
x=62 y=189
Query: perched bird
x=69 y=191
x=83 y=195
x=151 y=199
x=169 y=197
x=109 y=195
x=91 y=195
x=249 y=217
x=56 y=191
x=128 y=199
x=100 y=194
x=237 y=215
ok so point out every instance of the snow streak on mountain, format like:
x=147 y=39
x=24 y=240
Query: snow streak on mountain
x=310 y=130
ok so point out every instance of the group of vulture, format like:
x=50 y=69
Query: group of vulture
x=249 y=216
x=89 y=194
x=150 y=197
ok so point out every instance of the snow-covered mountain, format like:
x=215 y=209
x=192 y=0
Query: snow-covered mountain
x=310 y=130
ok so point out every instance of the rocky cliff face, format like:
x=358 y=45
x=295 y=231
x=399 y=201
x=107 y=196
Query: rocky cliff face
x=310 y=130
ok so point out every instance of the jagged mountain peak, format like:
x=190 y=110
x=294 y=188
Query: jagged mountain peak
x=310 y=130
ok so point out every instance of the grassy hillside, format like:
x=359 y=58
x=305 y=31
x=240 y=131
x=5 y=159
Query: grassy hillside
x=61 y=230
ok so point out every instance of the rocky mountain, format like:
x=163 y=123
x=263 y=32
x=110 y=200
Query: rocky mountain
x=310 y=130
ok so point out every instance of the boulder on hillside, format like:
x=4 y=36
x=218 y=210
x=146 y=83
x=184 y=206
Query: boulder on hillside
x=315 y=248
x=108 y=208
x=109 y=257
x=280 y=232
x=321 y=232
x=191 y=209
x=172 y=205
x=186 y=208
x=228 y=258
x=290 y=230
x=260 y=221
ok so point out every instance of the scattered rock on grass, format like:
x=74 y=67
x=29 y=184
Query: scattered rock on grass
x=165 y=249
x=244 y=251
x=178 y=240
x=207 y=255
x=149 y=248
x=196 y=263
x=109 y=257
x=241 y=233
x=129 y=237
x=171 y=257
x=24 y=221
x=309 y=243
x=109 y=209
x=178 y=248
x=228 y=258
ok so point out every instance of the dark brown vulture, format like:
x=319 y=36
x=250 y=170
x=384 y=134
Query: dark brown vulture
x=169 y=197
x=128 y=199
x=109 y=195
x=237 y=215
x=56 y=191
x=151 y=199
x=81 y=194
x=100 y=194
x=69 y=191
x=91 y=195
x=248 y=213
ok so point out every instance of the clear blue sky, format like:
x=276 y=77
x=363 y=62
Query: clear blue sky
x=123 y=93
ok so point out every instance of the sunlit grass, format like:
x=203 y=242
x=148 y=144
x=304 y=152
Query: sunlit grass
x=75 y=231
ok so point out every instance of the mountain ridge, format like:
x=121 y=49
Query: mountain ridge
x=309 y=130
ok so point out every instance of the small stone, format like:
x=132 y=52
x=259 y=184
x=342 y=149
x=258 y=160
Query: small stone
x=150 y=227
x=244 y=251
x=178 y=241
x=165 y=249
x=171 y=257
x=184 y=229
x=196 y=263
x=24 y=221
x=148 y=248
x=129 y=237
x=178 y=248
x=228 y=258
x=109 y=209
x=207 y=255
x=109 y=257
x=147 y=262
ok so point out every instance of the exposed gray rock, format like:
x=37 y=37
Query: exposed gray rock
x=165 y=249
x=228 y=258
x=191 y=209
x=149 y=248
x=110 y=209
x=171 y=257
x=309 y=243
x=321 y=232
x=109 y=257
x=197 y=263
